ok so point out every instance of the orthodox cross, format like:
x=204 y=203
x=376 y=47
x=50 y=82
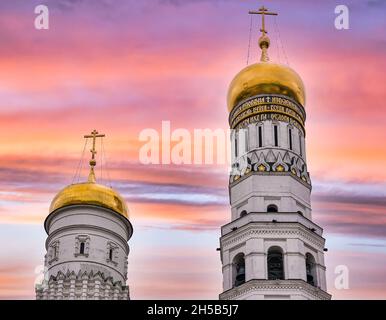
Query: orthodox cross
x=94 y=135
x=263 y=11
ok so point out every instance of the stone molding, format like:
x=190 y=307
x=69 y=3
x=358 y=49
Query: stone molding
x=281 y=286
x=284 y=230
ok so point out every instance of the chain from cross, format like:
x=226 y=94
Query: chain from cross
x=263 y=11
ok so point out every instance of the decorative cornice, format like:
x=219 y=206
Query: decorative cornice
x=275 y=285
x=270 y=229
x=88 y=262
x=266 y=217
x=69 y=208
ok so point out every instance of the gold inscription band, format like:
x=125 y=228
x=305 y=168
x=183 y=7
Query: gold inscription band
x=272 y=99
x=267 y=108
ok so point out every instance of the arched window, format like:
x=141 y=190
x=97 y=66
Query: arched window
x=310 y=269
x=243 y=213
x=272 y=208
x=111 y=254
x=290 y=138
x=239 y=270
x=275 y=264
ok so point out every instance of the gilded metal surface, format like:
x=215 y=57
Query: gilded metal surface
x=265 y=78
x=92 y=194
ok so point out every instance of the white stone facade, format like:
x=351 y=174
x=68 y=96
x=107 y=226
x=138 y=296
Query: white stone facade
x=87 y=254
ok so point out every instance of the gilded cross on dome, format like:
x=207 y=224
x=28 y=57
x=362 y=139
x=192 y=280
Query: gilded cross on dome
x=263 y=11
x=264 y=40
x=94 y=135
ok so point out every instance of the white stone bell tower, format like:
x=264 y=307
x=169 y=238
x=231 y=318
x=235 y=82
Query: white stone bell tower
x=271 y=249
x=88 y=230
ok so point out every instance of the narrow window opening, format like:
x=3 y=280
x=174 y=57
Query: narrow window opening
x=111 y=254
x=246 y=140
x=276 y=136
x=81 y=248
x=236 y=146
x=300 y=145
x=290 y=138
x=260 y=137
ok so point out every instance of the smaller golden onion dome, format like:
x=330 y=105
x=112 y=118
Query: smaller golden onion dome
x=90 y=193
x=265 y=78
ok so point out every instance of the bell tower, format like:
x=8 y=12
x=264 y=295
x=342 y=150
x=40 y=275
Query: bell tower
x=271 y=249
x=88 y=230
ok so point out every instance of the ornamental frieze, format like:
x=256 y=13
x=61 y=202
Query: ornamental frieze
x=267 y=108
x=268 y=160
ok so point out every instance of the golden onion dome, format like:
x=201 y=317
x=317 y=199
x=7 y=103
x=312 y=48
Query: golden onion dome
x=90 y=193
x=265 y=78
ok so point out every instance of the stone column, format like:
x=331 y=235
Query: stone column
x=52 y=290
x=227 y=276
x=84 y=286
x=227 y=271
x=126 y=293
x=107 y=291
x=45 y=290
x=97 y=289
x=254 y=259
x=320 y=271
x=296 y=264
x=72 y=287
x=60 y=287
x=116 y=292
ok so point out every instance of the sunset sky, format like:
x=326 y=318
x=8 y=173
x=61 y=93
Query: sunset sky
x=124 y=66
